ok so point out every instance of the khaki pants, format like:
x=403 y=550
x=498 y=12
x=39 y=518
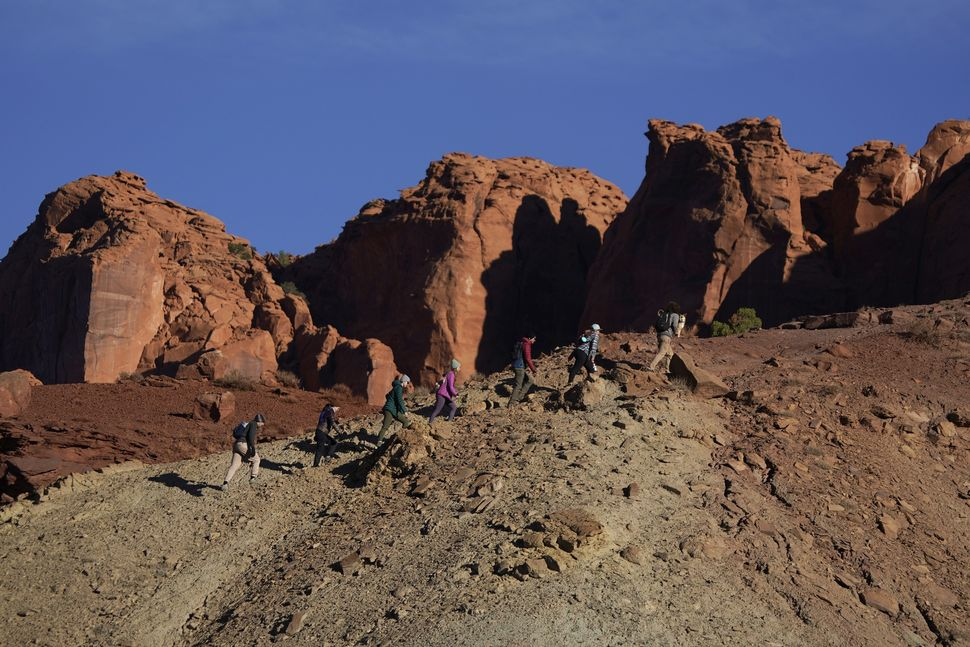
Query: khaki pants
x=663 y=354
x=239 y=451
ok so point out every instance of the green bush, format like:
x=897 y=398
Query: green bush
x=241 y=250
x=284 y=258
x=743 y=320
x=289 y=287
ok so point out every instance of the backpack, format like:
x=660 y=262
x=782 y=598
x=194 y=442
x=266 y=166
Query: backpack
x=239 y=433
x=517 y=352
x=665 y=322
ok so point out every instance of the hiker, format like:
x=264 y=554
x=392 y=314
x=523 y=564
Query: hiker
x=244 y=449
x=394 y=408
x=669 y=323
x=522 y=364
x=593 y=335
x=582 y=355
x=446 y=393
x=326 y=443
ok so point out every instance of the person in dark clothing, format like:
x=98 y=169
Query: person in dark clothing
x=446 y=393
x=394 y=408
x=522 y=360
x=244 y=449
x=582 y=358
x=326 y=443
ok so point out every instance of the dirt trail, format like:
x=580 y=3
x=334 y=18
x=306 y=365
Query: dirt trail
x=524 y=529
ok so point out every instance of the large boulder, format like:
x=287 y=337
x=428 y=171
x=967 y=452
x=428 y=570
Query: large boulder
x=326 y=358
x=458 y=266
x=716 y=225
x=701 y=382
x=214 y=406
x=15 y=390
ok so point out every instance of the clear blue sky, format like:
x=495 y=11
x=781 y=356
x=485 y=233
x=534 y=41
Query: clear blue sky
x=282 y=117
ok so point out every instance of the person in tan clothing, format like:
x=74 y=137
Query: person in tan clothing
x=669 y=323
x=244 y=449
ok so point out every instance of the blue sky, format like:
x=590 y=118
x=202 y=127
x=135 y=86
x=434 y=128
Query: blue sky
x=283 y=117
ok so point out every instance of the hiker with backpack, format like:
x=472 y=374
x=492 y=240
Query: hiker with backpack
x=669 y=323
x=446 y=393
x=244 y=449
x=326 y=443
x=593 y=335
x=582 y=356
x=521 y=361
x=394 y=408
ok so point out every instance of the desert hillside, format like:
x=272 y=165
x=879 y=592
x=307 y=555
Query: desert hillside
x=820 y=499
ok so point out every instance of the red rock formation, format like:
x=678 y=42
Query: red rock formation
x=111 y=278
x=458 y=265
x=944 y=272
x=15 y=392
x=326 y=359
x=873 y=242
x=716 y=225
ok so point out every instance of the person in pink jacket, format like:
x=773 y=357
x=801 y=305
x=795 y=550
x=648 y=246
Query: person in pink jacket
x=446 y=393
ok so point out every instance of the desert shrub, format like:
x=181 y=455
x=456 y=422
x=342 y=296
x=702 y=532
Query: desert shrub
x=284 y=258
x=925 y=331
x=288 y=379
x=421 y=391
x=236 y=380
x=742 y=321
x=136 y=378
x=241 y=250
x=289 y=287
x=680 y=383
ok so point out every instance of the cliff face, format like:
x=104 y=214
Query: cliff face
x=111 y=279
x=477 y=253
x=716 y=224
x=737 y=218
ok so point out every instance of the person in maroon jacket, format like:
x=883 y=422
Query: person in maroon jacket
x=521 y=361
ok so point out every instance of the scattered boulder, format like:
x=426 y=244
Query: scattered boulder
x=586 y=395
x=702 y=383
x=214 y=407
x=15 y=391
x=296 y=623
x=632 y=554
x=350 y=564
x=880 y=600
x=836 y=320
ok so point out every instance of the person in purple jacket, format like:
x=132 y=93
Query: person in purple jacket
x=446 y=393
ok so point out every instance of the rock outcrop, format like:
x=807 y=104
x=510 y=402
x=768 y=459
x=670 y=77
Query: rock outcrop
x=717 y=225
x=872 y=236
x=327 y=359
x=112 y=279
x=478 y=252
x=944 y=272
x=16 y=388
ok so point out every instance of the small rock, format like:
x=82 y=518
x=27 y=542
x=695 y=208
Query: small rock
x=421 y=486
x=532 y=539
x=632 y=554
x=884 y=412
x=880 y=600
x=632 y=490
x=296 y=623
x=670 y=488
x=350 y=564
x=907 y=451
x=368 y=552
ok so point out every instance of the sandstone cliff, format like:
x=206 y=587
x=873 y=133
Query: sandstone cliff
x=479 y=252
x=112 y=279
x=716 y=224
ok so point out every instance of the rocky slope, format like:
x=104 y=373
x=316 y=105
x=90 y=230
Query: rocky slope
x=825 y=504
x=737 y=218
x=479 y=252
x=111 y=279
